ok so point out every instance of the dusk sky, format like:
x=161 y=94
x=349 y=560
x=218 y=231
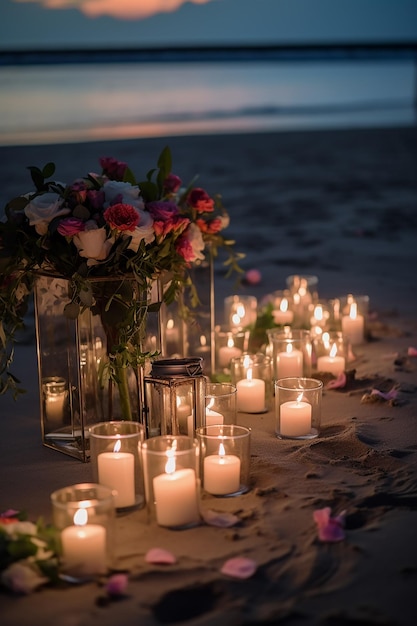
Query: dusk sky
x=106 y=23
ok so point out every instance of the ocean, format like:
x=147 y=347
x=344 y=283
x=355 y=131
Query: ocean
x=42 y=104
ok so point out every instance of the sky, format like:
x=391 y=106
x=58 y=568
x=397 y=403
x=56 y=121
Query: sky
x=36 y=24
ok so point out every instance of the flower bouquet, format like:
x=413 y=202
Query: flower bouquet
x=102 y=242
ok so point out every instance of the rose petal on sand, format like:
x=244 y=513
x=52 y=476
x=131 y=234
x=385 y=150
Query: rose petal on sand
x=222 y=520
x=390 y=395
x=159 y=556
x=239 y=567
x=117 y=585
x=412 y=351
x=338 y=382
x=330 y=529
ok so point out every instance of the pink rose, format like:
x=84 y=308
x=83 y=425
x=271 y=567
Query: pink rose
x=172 y=183
x=122 y=217
x=70 y=226
x=190 y=245
x=200 y=200
x=211 y=226
x=113 y=168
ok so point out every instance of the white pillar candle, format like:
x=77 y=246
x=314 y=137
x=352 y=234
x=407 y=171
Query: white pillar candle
x=290 y=363
x=283 y=315
x=117 y=471
x=54 y=408
x=84 y=547
x=221 y=473
x=295 y=419
x=213 y=417
x=353 y=326
x=175 y=494
x=250 y=394
x=227 y=353
x=333 y=364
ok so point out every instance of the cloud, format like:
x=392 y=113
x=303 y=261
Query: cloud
x=121 y=9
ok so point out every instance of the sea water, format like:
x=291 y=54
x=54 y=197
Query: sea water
x=82 y=102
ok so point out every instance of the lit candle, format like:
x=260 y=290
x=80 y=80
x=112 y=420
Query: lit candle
x=290 y=362
x=353 y=325
x=213 y=417
x=319 y=317
x=295 y=418
x=332 y=363
x=283 y=315
x=84 y=546
x=250 y=394
x=227 y=353
x=117 y=471
x=221 y=473
x=238 y=315
x=175 y=495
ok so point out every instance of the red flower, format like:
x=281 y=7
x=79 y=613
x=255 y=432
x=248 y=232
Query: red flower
x=70 y=226
x=200 y=200
x=122 y=216
x=211 y=226
x=172 y=183
x=113 y=168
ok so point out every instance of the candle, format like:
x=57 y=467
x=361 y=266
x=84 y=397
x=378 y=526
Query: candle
x=213 y=417
x=250 y=394
x=84 y=546
x=117 y=471
x=283 y=315
x=331 y=363
x=353 y=325
x=54 y=406
x=175 y=494
x=295 y=419
x=290 y=362
x=221 y=473
x=227 y=353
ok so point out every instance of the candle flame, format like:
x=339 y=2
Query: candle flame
x=353 y=311
x=80 y=517
x=240 y=310
x=246 y=361
x=333 y=351
x=230 y=342
x=249 y=374
x=222 y=451
x=289 y=348
x=170 y=324
x=235 y=319
x=300 y=397
x=326 y=340
x=296 y=298
x=170 y=464
x=203 y=341
x=117 y=446
x=283 y=305
x=318 y=312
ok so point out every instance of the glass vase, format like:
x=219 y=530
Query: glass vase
x=91 y=367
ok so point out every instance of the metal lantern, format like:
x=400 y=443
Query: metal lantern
x=175 y=397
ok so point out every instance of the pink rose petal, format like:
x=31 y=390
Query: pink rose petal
x=330 y=529
x=117 y=584
x=253 y=277
x=239 y=567
x=159 y=556
x=412 y=351
x=222 y=520
x=338 y=382
x=391 y=395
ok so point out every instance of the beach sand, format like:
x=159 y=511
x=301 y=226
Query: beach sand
x=341 y=205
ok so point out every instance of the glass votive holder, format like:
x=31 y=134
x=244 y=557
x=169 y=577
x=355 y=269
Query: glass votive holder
x=330 y=353
x=115 y=461
x=224 y=459
x=240 y=311
x=228 y=345
x=283 y=306
x=354 y=311
x=172 y=484
x=221 y=403
x=298 y=407
x=252 y=375
x=84 y=514
x=319 y=318
x=291 y=351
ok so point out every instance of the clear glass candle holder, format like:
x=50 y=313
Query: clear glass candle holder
x=172 y=484
x=298 y=407
x=354 y=311
x=221 y=404
x=252 y=375
x=115 y=461
x=291 y=351
x=283 y=307
x=224 y=459
x=228 y=345
x=84 y=514
x=303 y=289
x=330 y=353
x=319 y=318
x=240 y=311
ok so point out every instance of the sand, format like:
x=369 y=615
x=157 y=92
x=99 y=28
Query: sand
x=341 y=205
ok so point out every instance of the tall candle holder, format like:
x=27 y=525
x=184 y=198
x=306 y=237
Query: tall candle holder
x=116 y=463
x=224 y=459
x=291 y=351
x=171 y=472
x=84 y=514
x=298 y=408
x=252 y=375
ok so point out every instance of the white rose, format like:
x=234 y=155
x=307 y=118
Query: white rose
x=124 y=193
x=196 y=240
x=42 y=209
x=144 y=230
x=92 y=243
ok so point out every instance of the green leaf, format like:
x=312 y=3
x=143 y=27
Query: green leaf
x=37 y=177
x=48 y=170
x=149 y=191
x=129 y=177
